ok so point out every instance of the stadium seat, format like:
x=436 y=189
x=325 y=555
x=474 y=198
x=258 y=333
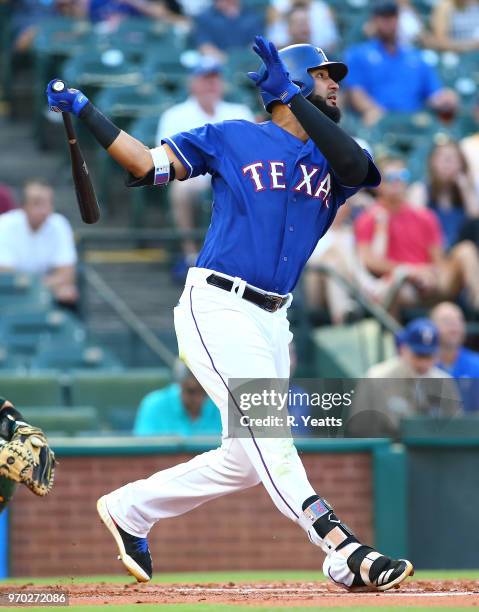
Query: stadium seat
x=163 y=67
x=96 y=69
x=138 y=36
x=34 y=389
x=145 y=128
x=74 y=355
x=402 y=131
x=55 y=324
x=116 y=396
x=125 y=104
x=20 y=292
x=58 y=420
x=57 y=39
x=347 y=351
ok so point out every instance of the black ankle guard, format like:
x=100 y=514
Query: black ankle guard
x=324 y=521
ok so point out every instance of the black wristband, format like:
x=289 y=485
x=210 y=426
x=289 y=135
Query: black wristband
x=100 y=126
x=8 y=416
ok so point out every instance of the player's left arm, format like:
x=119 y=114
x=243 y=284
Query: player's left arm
x=346 y=158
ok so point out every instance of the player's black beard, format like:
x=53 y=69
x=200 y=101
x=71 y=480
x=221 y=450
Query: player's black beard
x=333 y=112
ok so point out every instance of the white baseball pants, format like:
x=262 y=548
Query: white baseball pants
x=221 y=336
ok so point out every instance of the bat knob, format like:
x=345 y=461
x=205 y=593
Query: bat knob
x=58 y=86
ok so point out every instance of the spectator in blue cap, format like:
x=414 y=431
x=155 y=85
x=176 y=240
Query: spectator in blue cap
x=404 y=386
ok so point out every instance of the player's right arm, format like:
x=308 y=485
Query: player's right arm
x=126 y=150
x=137 y=159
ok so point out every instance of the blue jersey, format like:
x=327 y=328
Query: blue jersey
x=274 y=196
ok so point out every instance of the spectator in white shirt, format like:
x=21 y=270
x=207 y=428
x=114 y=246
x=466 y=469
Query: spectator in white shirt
x=36 y=240
x=205 y=104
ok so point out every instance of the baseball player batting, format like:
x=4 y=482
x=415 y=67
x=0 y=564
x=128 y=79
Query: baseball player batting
x=277 y=188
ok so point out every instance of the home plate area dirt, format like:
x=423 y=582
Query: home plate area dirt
x=434 y=593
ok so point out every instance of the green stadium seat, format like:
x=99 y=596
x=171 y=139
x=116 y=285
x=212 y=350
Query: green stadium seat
x=347 y=351
x=145 y=128
x=403 y=132
x=58 y=420
x=125 y=104
x=30 y=328
x=32 y=389
x=96 y=69
x=163 y=67
x=21 y=292
x=116 y=396
x=75 y=355
x=427 y=428
x=57 y=39
x=138 y=36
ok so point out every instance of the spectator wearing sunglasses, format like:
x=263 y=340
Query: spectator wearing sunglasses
x=396 y=239
x=180 y=409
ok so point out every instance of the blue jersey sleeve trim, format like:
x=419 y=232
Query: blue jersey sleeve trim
x=173 y=144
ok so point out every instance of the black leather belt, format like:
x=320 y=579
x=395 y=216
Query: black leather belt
x=266 y=301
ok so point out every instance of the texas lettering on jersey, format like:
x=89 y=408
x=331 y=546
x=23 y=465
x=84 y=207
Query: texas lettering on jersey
x=264 y=175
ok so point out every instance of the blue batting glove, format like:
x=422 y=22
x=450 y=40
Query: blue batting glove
x=274 y=78
x=66 y=100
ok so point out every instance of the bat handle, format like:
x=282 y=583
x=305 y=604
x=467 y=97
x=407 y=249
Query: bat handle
x=70 y=130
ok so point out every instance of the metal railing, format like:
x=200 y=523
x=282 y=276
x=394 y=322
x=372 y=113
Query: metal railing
x=378 y=312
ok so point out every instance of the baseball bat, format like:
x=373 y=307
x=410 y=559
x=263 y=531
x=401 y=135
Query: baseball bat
x=85 y=193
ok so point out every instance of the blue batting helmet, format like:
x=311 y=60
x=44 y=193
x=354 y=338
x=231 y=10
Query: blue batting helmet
x=299 y=60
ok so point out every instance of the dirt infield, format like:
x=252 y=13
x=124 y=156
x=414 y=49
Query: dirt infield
x=437 y=593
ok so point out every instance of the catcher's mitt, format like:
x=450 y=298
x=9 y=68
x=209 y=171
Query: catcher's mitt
x=27 y=458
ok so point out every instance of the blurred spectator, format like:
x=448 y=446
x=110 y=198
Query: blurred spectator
x=302 y=21
x=449 y=190
x=180 y=409
x=36 y=240
x=27 y=16
x=400 y=391
x=116 y=10
x=470 y=148
x=7 y=199
x=410 y=26
x=454 y=26
x=385 y=75
x=205 y=104
x=337 y=251
x=398 y=239
x=193 y=8
x=226 y=26
x=454 y=358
